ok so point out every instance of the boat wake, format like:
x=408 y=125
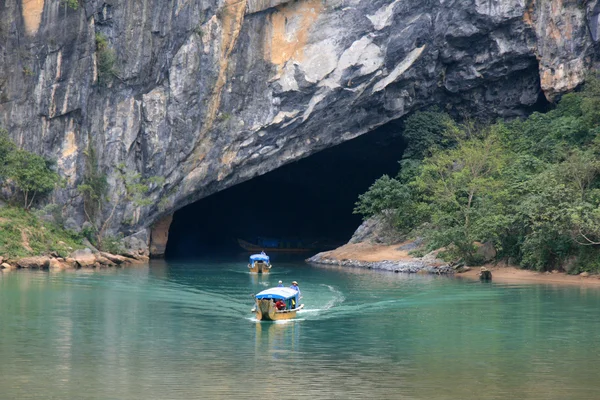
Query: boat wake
x=336 y=297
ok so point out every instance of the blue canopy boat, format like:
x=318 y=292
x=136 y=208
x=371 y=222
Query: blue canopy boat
x=266 y=310
x=260 y=263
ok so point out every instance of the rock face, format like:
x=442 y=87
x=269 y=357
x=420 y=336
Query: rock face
x=375 y=230
x=160 y=236
x=209 y=93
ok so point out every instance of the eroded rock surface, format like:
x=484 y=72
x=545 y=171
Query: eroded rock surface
x=209 y=93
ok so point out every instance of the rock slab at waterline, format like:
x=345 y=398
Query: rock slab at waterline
x=209 y=93
x=409 y=267
x=82 y=258
x=394 y=258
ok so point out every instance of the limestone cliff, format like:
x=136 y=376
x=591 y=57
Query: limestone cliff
x=209 y=93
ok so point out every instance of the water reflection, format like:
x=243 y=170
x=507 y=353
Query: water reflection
x=261 y=280
x=277 y=341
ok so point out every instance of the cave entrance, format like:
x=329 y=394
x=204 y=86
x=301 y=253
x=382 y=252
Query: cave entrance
x=308 y=200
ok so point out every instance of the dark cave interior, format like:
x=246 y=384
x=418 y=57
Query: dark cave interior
x=311 y=199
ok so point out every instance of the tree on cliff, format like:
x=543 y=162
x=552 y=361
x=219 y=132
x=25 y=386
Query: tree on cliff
x=30 y=174
x=99 y=208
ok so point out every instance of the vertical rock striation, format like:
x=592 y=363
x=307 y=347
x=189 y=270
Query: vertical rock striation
x=209 y=93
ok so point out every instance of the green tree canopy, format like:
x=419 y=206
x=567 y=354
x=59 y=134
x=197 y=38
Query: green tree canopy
x=531 y=187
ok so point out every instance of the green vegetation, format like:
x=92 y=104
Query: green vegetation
x=95 y=198
x=531 y=187
x=225 y=116
x=28 y=177
x=105 y=60
x=72 y=4
x=29 y=174
x=23 y=234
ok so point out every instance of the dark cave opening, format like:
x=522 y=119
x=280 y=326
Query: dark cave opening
x=311 y=200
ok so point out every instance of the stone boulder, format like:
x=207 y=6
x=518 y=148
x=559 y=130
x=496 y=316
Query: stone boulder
x=136 y=246
x=104 y=261
x=58 y=264
x=7 y=266
x=116 y=259
x=485 y=251
x=34 y=262
x=70 y=262
x=376 y=230
x=90 y=246
x=84 y=258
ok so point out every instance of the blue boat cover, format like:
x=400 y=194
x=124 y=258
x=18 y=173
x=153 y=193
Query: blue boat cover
x=277 y=293
x=259 y=257
x=264 y=242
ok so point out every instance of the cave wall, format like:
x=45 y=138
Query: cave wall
x=209 y=93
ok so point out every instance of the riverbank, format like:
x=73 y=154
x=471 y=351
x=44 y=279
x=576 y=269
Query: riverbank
x=84 y=258
x=396 y=258
x=28 y=240
x=512 y=274
x=382 y=257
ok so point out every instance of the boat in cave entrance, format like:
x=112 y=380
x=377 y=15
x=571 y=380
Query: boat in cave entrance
x=259 y=263
x=282 y=245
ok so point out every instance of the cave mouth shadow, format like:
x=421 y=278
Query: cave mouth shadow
x=309 y=200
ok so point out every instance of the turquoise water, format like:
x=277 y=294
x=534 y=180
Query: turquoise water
x=185 y=331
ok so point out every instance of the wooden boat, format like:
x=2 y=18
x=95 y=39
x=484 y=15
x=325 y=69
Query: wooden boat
x=259 y=263
x=265 y=309
x=274 y=245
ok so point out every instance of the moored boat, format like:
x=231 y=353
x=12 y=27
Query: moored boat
x=266 y=309
x=276 y=245
x=260 y=263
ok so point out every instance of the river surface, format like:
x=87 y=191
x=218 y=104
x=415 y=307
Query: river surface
x=185 y=331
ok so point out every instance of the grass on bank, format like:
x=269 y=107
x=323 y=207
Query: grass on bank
x=23 y=233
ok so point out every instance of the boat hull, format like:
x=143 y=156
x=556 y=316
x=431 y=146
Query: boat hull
x=265 y=311
x=251 y=247
x=257 y=267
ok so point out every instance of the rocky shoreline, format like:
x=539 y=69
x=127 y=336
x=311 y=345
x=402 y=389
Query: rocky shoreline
x=414 y=266
x=85 y=258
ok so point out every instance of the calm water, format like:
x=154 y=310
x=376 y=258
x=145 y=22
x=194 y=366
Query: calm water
x=185 y=331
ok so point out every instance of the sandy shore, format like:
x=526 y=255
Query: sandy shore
x=509 y=274
x=387 y=258
x=368 y=253
x=372 y=253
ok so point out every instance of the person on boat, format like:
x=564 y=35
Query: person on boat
x=280 y=305
x=280 y=284
x=296 y=288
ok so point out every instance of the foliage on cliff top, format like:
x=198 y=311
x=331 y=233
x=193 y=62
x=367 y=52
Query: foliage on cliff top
x=531 y=187
x=23 y=233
